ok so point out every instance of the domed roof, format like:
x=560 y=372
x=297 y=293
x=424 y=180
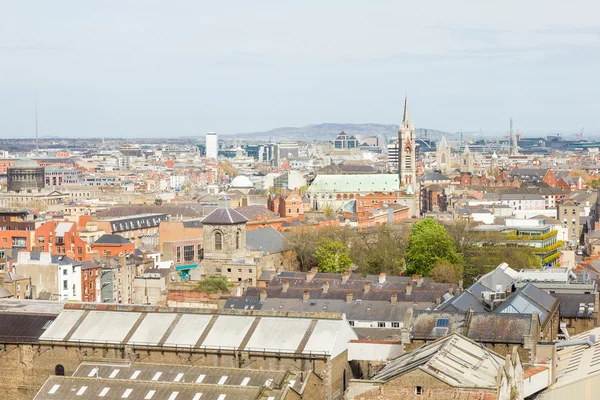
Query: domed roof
x=494 y=155
x=26 y=163
x=241 y=181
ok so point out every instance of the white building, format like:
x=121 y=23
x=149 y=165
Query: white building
x=176 y=181
x=212 y=145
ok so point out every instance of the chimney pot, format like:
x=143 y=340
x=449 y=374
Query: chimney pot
x=286 y=286
x=305 y=296
x=367 y=286
x=349 y=297
x=325 y=287
x=438 y=299
x=409 y=288
x=262 y=295
x=382 y=277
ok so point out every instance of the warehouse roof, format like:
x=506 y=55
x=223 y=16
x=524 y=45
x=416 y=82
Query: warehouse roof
x=278 y=332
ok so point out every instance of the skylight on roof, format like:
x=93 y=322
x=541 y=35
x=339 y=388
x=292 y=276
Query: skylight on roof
x=53 y=389
x=150 y=394
x=173 y=395
x=103 y=392
x=126 y=393
x=81 y=391
x=442 y=322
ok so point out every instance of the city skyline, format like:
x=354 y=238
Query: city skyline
x=116 y=71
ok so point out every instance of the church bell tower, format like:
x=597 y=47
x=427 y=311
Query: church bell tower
x=406 y=154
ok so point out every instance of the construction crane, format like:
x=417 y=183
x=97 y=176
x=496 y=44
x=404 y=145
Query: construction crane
x=579 y=134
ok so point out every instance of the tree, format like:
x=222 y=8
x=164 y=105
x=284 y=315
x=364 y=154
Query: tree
x=428 y=244
x=445 y=272
x=303 y=242
x=379 y=250
x=332 y=256
x=481 y=260
x=328 y=211
x=214 y=284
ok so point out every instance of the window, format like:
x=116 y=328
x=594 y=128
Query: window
x=74 y=290
x=442 y=322
x=419 y=390
x=65 y=285
x=237 y=240
x=79 y=251
x=229 y=270
x=395 y=324
x=381 y=324
x=178 y=254
x=239 y=270
x=59 y=370
x=65 y=272
x=250 y=271
x=199 y=252
x=188 y=253
x=351 y=323
x=40 y=239
x=218 y=241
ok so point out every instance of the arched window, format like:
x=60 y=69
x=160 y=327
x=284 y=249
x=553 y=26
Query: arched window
x=218 y=241
x=59 y=370
x=237 y=240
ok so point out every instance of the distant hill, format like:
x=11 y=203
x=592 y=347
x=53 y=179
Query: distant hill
x=328 y=131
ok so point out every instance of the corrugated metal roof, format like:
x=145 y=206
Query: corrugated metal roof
x=355 y=183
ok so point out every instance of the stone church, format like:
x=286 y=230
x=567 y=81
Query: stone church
x=407 y=165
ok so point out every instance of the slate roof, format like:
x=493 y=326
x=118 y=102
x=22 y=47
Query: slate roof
x=111 y=239
x=423 y=324
x=356 y=311
x=255 y=211
x=26 y=327
x=224 y=216
x=60 y=260
x=527 y=300
x=499 y=328
x=185 y=210
x=267 y=240
x=571 y=304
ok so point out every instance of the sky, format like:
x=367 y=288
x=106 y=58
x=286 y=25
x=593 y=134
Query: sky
x=145 y=68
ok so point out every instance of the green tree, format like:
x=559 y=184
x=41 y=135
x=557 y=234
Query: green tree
x=303 y=242
x=214 y=284
x=332 y=256
x=481 y=260
x=428 y=244
x=379 y=250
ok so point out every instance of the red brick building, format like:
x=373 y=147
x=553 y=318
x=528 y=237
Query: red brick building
x=61 y=238
x=112 y=245
x=90 y=281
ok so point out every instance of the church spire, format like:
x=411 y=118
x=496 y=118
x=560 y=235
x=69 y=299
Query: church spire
x=405 y=119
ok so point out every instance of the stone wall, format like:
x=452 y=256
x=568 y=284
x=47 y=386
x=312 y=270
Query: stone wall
x=25 y=367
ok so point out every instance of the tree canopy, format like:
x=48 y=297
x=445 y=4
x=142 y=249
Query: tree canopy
x=332 y=256
x=214 y=284
x=429 y=244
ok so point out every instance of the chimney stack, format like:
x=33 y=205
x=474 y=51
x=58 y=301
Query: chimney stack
x=408 y=288
x=311 y=274
x=262 y=296
x=382 y=277
x=286 y=286
x=345 y=276
x=451 y=289
x=305 y=296
x=325 y=287
x=438 y=299
x=394 y=298
x=367 y=286
x=349 y=297
x=460 y=285
x=418 y=279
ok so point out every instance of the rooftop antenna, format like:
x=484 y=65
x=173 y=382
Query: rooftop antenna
x=37 y=145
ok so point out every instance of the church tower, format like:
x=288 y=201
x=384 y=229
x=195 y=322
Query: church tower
x=406 y=154
x=466 y=162
x=443 y=156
